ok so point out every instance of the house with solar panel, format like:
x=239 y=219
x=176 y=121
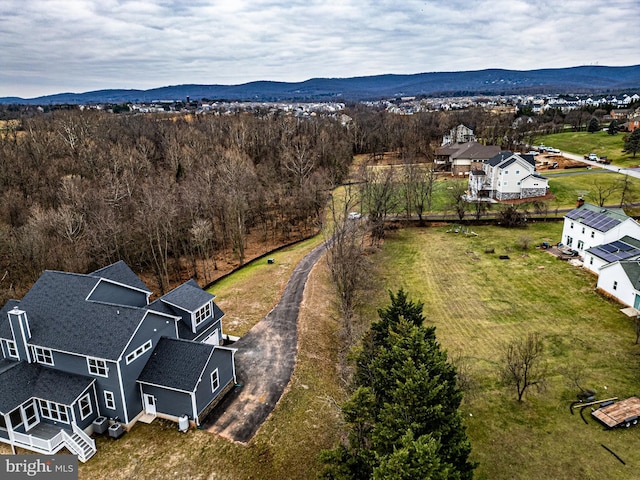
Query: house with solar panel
x=589 y=226
x=83 y=354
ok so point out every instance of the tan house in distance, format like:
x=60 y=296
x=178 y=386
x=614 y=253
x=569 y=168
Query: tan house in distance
x=460 y=158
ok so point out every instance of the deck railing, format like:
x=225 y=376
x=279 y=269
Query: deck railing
x=38 y=444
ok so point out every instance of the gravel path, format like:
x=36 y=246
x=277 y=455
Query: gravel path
x=264 y=362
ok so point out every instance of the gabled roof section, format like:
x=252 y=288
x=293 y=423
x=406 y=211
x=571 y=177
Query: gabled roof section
x=506 y=158
x=188 y=296
x=632 y=269
x=121 y=273
x=535 y=175
x=62 y=319
x=22 y=381
x=177 y=364
x=471 y=150
x=184 y=331
x=499 y=158
x=598 y=218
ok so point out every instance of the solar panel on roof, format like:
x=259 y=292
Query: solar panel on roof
x=621 y=245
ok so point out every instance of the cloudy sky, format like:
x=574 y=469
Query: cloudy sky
x=53 y=46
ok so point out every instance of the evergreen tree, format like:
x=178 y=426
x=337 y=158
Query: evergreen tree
x=594 y=125
x=632 y=142
x=613 y=127
x=403 y=417
x=414 y=459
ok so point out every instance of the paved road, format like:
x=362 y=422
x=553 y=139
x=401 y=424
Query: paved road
x=632 y=172
x=264 y=362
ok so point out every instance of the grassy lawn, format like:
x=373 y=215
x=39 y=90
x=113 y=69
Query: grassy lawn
x=478 y=302
x=305 y=421
x=250 y=293
x=568 y=189
x=583 y=143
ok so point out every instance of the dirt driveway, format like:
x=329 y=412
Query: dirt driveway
x=264 y=362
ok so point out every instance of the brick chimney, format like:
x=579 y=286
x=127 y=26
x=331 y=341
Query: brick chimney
x=580 y=202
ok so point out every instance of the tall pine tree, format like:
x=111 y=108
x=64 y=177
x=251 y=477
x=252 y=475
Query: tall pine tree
x=404 y=413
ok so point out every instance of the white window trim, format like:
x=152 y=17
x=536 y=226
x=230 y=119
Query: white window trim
x=109 y=400
x=43 y=355
x=53 y=411
x=215 y=380
x=87 y=399
x=97 y=367
x=202 y=313
x=139 y=351
x=12 y=349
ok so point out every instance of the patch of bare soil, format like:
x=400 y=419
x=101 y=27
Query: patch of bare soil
x=550 y=161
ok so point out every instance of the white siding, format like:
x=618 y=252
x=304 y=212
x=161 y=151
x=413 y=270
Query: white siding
x=624 y=291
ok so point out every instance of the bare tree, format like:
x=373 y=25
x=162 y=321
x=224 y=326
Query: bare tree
x=603 y=191
x=418 y=187
x=455 y=197
x=378 y=196
x=628 y=193
x=523 y=364
x=346 y=257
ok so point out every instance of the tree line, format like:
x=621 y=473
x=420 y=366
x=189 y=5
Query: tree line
x=83 y=189
x=169 y=193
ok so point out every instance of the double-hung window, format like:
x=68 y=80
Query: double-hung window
x=215 y=380
x=12 y=351
x=98 y=367
x=109 y=400
x=85 y=407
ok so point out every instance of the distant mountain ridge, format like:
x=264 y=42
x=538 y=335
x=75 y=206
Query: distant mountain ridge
x=585 y=79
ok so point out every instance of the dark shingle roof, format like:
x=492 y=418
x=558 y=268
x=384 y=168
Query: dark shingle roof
x=499 y=158
x=121 y=273
x=470 y=150
x=23 y=381
x=188 y=296
x=61 y=319
x=177 y=364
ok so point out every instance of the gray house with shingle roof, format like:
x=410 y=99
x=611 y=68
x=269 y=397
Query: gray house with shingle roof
x=78 y=347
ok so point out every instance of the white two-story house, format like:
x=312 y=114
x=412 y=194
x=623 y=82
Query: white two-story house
x=507 y=176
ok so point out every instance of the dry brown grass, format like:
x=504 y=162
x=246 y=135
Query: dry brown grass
x=304 y=422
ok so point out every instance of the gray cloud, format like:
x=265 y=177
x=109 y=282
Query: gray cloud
x=49 y=46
